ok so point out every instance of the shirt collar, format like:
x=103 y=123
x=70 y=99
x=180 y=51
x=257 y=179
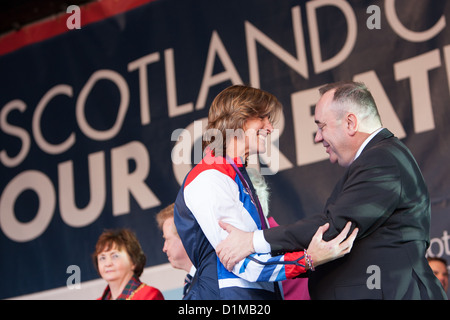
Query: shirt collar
x=361 y=148
x=131 y=286
x=210 y=158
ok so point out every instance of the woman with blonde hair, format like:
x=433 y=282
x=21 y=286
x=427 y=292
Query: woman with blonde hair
x=219 y=189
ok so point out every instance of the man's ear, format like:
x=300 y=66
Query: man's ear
x=352 y=123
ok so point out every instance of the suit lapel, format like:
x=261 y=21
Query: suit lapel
x=382 y=135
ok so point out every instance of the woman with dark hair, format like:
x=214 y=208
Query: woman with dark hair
x=120 y=261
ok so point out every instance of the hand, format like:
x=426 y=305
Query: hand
x=322 y=252
x=237 y=246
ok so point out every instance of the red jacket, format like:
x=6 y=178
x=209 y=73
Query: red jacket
x=145 y=292
x=135 y=290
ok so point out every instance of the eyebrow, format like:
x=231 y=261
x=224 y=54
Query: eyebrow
x=109 y=252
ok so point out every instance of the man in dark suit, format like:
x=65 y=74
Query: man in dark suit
x=382 y=192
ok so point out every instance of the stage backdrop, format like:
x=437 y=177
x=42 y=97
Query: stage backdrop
x=101 y=110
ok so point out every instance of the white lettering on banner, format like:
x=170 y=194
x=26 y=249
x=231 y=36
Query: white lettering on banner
x=36 y=125
x=120 y=82
x=181 y=152
x=70 y=214
x=43 y=187
x=67 y=90
x=14 y=131
x=416 y=69
x=273 y=158
x=447 y=63
x=307 y=150
x=141 y=65
x=439 y=246
x=126 y=184
x=253 y=35
x=311 y=7
x=216 y=47
x=407 y=34
x=172 y=101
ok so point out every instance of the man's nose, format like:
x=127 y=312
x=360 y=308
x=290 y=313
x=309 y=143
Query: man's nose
x=318 y=137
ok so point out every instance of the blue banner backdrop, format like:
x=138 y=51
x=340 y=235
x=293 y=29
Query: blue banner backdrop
x=90 y=119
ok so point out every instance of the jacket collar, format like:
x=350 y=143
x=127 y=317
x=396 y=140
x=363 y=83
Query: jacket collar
x=380 y=136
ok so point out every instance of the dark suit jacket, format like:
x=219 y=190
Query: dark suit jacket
x=384 y=194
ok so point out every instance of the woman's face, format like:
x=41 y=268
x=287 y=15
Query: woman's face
x=115 y=264
x=256 y=132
